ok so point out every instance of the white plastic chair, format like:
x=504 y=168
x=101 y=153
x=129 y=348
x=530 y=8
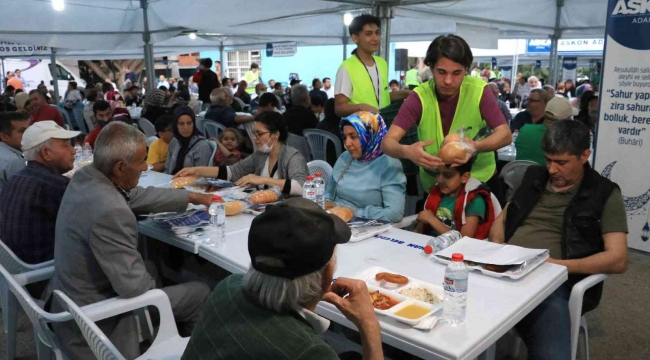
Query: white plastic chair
x=167 y=341
x=147 y=127
x=24 y=274
x=579 y=332
x=299 y=143
x=167 y=345
x=318 y=140
x=212 y=128
x=321 y=167
x=213 y=146
x=513 y=173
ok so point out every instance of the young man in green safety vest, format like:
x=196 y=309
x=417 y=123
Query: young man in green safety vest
x=451 y=101
x=252 y=77
x=413 y=78
x=362 y=80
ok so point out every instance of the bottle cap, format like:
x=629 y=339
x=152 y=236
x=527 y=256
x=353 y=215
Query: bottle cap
x=318 y=174
x=428 y=249
x=457 y=257
x=310 y=178
x=216 y=198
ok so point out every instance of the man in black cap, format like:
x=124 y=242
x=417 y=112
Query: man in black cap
x=268 y=313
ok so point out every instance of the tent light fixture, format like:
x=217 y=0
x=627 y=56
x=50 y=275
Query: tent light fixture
x=193 y=36
x=347 y=19
x=58 y=5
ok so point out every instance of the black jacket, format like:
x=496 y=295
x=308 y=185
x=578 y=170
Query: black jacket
x=581 y=232
x=208 y=83
x=299 y=118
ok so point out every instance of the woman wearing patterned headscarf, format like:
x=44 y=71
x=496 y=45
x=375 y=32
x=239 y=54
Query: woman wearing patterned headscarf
x=152 y=106
x=365 y=180
x=188 y=148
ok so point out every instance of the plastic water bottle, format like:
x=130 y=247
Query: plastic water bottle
x=455 y=301
x=78 y=151
x=320 y=190
x=508 y=104
x=217 y=213
x=87 y=152
x=309 y=189
x=442 y=242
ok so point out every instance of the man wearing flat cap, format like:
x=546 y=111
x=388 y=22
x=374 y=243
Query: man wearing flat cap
x=268 y=313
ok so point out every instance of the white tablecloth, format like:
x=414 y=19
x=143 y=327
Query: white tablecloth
x=494 y=305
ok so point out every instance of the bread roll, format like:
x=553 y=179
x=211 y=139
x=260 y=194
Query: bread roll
x=234 y=207
x=344 y=213
x=263 y=197
x=179 y=182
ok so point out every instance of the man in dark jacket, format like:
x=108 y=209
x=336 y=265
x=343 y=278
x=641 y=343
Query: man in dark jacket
x=580 y=217
x=299 y=116
x=207 y=80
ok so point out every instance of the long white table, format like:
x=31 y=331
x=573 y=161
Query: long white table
x=494 y=305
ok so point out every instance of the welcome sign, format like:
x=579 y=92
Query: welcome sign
x=623 y=135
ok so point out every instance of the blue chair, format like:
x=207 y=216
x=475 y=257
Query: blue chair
x=212 y=129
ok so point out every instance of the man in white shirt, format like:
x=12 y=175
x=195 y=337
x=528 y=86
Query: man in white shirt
x=366 y=33
x=327 y=88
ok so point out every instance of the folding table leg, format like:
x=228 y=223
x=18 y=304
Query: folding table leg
x=11 y=324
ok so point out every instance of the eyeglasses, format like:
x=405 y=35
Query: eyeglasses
x=259 y=134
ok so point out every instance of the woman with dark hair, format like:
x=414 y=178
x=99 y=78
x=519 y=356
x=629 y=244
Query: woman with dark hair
x=188 y=148
x=274 y=164
x=585 y=115
x=447 y=103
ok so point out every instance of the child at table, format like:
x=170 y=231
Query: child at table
x=458 y=202
x=227 y=153
x=157 y=155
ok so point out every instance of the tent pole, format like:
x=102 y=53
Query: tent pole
x=148 y=49
x=3 y=77
x=55 y=79
x=345 y=42
x=222 y=58
x=385 y=13
x=557 y=33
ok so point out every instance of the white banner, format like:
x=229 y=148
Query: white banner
x=569 y=68
x=623 y=137
x=13 y=49
x=281 y=49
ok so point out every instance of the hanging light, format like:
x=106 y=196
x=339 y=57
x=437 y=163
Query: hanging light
x=645 y=233
x=193 y=36
x=347 y=19
x=58 y=5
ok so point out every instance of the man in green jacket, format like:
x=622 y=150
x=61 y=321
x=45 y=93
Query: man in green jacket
x=268 y=313
x=362 y=80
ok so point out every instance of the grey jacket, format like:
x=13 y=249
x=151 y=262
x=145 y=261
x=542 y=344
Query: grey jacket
x=199 y=155
x=96 y=242
x=291 y=165
x=11 y=162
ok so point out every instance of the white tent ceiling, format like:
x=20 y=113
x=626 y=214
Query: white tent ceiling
x=114 y=28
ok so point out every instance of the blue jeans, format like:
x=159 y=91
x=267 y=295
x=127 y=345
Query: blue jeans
x=546 y=331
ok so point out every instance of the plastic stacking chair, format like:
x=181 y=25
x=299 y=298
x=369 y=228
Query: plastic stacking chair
x=88 y=118
x=513 y=173
x=299 y=143
x=317 y=141
x=79 y=119
x=147 y=127
x=212 y=129
x=321 y=167
x=65 y=116
x=579 y=332
x=167 y=345
x=24 y=274
x=249 y=127
x=213 y=146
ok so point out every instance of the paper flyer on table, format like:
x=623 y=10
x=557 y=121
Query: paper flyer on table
x=485 y=252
